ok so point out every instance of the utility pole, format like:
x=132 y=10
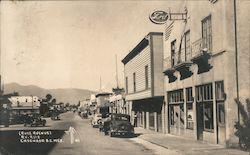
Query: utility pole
x=100 y=84
x=116 y=72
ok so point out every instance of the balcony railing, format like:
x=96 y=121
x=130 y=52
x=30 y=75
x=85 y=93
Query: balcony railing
x=199 y=47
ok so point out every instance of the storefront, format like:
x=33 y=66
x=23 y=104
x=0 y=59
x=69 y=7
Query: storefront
x=149 y=113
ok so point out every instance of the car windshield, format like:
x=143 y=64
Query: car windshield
x=121 y=118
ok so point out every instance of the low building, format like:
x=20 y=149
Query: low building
x=24 y=104
x=144 y=82
x=102 y=101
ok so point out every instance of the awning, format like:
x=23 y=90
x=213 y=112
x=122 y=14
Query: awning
x=150 y=105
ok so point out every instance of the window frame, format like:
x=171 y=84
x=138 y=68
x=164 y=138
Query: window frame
x=134 y=81
x=206 y=31
x=173 y=53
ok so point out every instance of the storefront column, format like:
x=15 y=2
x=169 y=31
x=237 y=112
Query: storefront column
x=194 y=112
x=155 y=121
x=147 y=120
x=163 y=115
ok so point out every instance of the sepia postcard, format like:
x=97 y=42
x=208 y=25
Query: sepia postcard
x=117 y=77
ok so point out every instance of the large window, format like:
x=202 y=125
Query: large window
x=207 y=33
x=173 y=53
x=146 y=76
x=219 y=91
x=220 y=97
x=204 y=96
x=134 y=81
x=187 y=46
x=171 y=115
x=185 y=53
x=208 y=116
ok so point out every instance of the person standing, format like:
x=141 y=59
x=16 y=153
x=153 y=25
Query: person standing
x=135 y=120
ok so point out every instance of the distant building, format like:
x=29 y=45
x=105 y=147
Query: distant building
x=102 y=101
x=24 y=104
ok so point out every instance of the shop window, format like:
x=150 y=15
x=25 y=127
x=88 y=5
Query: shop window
x=189 y=104
x=176 y=96
x=220 y=97
x=221 y=113
x=181 y=115
x=208 y=116
x=171 y=115
x=205 y=96
x=151 y=120
x=219 y=91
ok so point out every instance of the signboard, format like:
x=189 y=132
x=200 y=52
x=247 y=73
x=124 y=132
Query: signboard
x=159 y=17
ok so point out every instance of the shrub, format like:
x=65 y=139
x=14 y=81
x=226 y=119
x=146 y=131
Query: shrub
x=243 y=129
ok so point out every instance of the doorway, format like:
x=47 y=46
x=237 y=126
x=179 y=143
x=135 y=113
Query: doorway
x=200 y=121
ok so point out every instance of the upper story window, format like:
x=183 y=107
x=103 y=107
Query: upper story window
x=134 y=81
x=187 y=46
x=207 y=33
x=173 y=53
x=126 y=82
x=146 y=76
x=185 y=53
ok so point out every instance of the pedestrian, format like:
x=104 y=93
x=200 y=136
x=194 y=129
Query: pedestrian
x=135 y=120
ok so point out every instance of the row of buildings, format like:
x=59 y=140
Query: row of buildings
x=184 y=81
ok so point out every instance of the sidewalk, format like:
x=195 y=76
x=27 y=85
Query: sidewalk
x=184 y=145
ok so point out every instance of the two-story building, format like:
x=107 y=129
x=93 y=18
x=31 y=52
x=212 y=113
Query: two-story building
x=24 y=104
x=206 y=66
x=144 y=81
x=102 y=101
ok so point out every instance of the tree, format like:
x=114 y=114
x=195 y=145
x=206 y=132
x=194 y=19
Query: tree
x=243 y=129
x=53 y=101
x=48 y=97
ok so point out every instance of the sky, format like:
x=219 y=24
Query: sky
x=72 y=44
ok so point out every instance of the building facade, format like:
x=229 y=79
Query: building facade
x=206 y=66
x=24 y=104
x=144 y=82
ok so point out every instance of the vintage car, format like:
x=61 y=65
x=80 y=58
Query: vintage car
x=96 y=120
x=34 y=120
x=118 y=124
x=105 y=118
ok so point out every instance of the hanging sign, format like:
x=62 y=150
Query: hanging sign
x=158 y=17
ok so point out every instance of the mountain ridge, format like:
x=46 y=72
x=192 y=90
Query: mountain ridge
x=65 y=95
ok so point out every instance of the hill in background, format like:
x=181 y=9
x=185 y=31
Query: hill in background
x=65 y=95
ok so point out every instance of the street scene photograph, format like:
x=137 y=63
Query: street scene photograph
x=138 y=77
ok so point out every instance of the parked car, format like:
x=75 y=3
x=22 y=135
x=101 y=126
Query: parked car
x=34 y=120
x=105 y=118
x=119 y=124
x=96 y=120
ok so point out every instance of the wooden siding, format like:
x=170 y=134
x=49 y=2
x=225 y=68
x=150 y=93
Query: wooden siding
x=137 y=65
x=139 y=95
